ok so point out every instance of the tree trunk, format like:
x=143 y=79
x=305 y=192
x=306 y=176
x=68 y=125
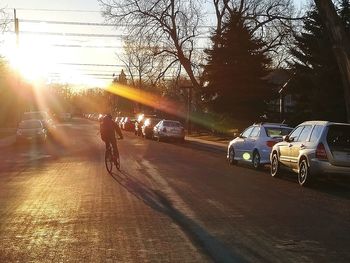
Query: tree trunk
x=341 y=45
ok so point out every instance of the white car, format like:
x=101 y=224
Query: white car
x=169 y=129
x=255 y=143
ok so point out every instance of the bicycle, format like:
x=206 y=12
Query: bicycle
x=111 y=159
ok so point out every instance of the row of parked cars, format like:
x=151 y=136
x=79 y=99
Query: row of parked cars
x=148 y=126
x=152 y=127
x=311 y=149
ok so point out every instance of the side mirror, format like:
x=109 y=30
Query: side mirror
x=286 y=138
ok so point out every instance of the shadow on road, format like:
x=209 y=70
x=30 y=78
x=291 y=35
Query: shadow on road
x=159 y=202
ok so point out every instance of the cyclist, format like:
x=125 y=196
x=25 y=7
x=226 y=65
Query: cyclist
x=108 y=128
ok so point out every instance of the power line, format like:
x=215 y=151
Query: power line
x=84 y=46
x=57 y=10
x=94 y=65
x=84 y=23
x=70 y=34
x=65 y=22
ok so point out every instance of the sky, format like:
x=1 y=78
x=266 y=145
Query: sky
x=54 y=56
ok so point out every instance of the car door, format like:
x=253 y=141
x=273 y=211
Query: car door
x=285 y=147
x=239 y=145
x=249 y=144
x=299 y=144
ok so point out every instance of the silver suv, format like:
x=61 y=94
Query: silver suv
x=312 y=148
x=254 y=144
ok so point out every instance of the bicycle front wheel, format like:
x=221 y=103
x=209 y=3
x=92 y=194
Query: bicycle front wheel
x=109 y=161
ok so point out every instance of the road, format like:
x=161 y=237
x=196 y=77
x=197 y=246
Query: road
x=170 y=203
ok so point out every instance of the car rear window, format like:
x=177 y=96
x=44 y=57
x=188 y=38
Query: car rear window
x=277 y=131
x=30 y=125
x=35 y=115
x=172 y=124
x=339 y=136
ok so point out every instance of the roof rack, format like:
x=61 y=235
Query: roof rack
x=271 y=123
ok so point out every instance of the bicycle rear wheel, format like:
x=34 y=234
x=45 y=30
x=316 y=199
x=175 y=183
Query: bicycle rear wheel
x=109 y=161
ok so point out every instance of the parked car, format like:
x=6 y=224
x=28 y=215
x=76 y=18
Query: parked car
x=147 y=127
x=120 y=122
x=313 y=148
x=254 y=144
x=31 y=130
x=117 y=119
x=65 y=116
x=169 y=129
x=43 y=116
x=128 y=124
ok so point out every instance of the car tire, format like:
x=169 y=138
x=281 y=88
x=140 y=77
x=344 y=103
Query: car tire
x=304 y=177
x=275 y=166
x=231 y=157
x=256 y=160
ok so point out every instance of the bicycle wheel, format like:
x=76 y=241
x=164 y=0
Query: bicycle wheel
x=109 y=161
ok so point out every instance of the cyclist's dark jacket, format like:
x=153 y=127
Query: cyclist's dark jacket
x=108 y=128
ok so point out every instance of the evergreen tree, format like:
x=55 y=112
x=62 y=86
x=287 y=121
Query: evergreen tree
x=317 y=84
x=233 y=77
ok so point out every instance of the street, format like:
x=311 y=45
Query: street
x=170 y=202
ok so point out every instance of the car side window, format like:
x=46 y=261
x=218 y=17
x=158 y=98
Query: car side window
x=247 y=132
x=295 y=133
x=255 y=132
x=305 y=133
x=316 y=133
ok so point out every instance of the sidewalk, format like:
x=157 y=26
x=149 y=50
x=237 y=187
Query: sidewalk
x=220 y=146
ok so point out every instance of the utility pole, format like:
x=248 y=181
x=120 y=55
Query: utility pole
x=189 y=108
x=17 y=51
x=16 y=27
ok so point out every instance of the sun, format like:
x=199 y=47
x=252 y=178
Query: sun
x=32 y=59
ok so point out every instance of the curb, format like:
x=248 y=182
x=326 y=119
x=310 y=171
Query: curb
x=209 y=145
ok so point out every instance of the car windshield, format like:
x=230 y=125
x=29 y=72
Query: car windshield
x=35 y=115
x=171 y=124
x=339 y=135
x=30 y=125
x=277 y=131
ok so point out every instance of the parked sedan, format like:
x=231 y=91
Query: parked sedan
x=128 y=124
x=314 y=148
x=31 y=130
x=169 y=129
x=254 y=144
x=147 y=127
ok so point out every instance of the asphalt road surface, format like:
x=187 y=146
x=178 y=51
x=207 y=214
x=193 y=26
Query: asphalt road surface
x=170 y=203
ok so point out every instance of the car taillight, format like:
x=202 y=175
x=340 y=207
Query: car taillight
x=321 y=152
x=164 y=129
x=270 y=143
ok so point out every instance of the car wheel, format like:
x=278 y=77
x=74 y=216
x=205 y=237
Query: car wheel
x=256 y=160
x=275 y=166
x=231 y=157
x=304 y=177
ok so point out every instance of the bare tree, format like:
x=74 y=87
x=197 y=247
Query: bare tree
x=171 y=25
x=269 y=20
x=341 y=44
x=143 y=62
x=4 y=20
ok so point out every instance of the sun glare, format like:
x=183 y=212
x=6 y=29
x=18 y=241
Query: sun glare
x=31 y=59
